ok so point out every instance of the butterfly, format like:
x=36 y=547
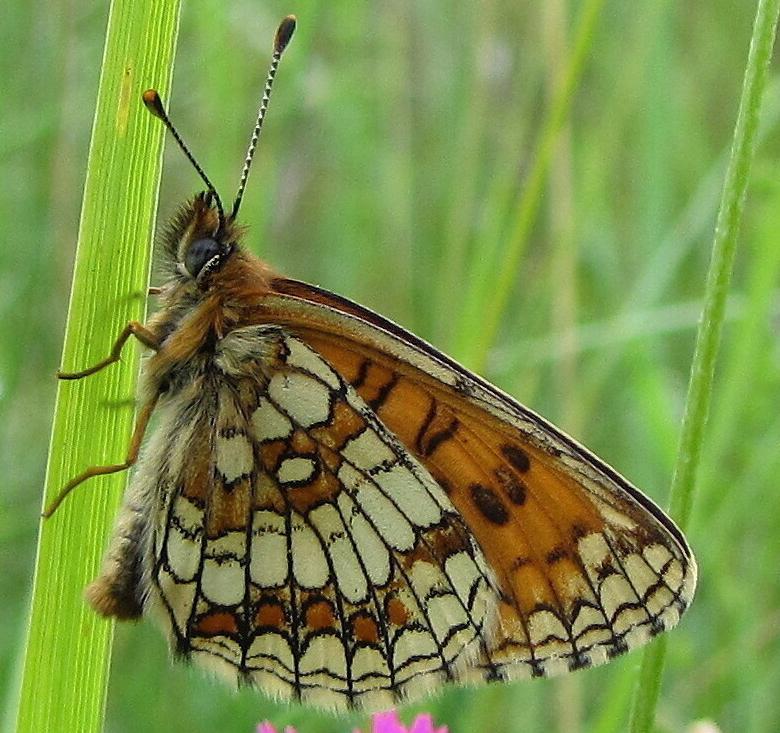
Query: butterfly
x=335 y=512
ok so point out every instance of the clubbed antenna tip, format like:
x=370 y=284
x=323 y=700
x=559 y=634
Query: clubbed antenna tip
x=153 y=103
x=284 y=33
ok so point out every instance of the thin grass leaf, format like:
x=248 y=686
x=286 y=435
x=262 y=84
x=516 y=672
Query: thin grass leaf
x=709 y=334
x=487 y=296
x=65 y=668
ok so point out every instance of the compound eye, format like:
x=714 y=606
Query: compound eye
x=199 y=253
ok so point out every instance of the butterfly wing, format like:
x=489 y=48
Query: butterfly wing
x=586 y=565
x=335 y=512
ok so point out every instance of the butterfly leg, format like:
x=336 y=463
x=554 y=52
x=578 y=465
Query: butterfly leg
x=132 y=456
x=133 y=328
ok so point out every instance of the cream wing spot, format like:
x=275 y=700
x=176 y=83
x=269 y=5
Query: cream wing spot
x=637 y=635
x=183 y=538
x=462 y=572
x=615 y=592
x=473 y=589
x=425 y=578
x=657 y=556
x=368 y=451
x=219 y=654
x=669 y=568
x=614 y=517
x=183 y=554
x=409 y=494
x=188 y=515
x=577 y=587
x=675 y=577
x=297 y=470
x=372 y=551
x=439 y=496
x=659 y=602
x=670 y=617
x=368 y=664
x=228 y=546
x=304 y=399
x=391 y=525
x=639 y=573
x=445 y=611
x=349 y=574
x=546 y=629
x=275 y=649
x=446 y=614
x=324 y=652
x=234 y=456
x=268 y=561
x=588 y=621
x=411 y=644
x=268 y=423
x=178 y=597
x=302 y=357
x=310 y=566
x=594 y=551
x=222 y=580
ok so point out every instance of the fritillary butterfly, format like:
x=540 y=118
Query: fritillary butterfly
x=334 y=511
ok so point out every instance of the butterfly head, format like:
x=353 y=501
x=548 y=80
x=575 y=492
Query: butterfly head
x=201 y=238
x=199 y=241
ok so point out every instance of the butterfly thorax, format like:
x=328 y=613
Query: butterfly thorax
x=212 y=288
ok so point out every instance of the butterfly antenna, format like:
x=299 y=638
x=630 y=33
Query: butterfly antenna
x=154 y=104
x=281 y=39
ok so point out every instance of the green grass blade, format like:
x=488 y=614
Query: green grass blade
x=709 y=334
x=66 y=659
x=493 y=278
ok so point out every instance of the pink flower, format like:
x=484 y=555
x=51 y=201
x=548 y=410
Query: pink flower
x=389 y=722
x=266 y=727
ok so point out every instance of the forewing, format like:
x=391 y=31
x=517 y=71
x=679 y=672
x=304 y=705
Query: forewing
x=587 y=566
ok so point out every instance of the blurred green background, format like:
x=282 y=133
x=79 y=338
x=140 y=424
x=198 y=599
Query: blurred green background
x=397 y=147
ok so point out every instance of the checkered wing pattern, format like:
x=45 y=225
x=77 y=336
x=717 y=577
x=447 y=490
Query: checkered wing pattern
x=301 y=547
